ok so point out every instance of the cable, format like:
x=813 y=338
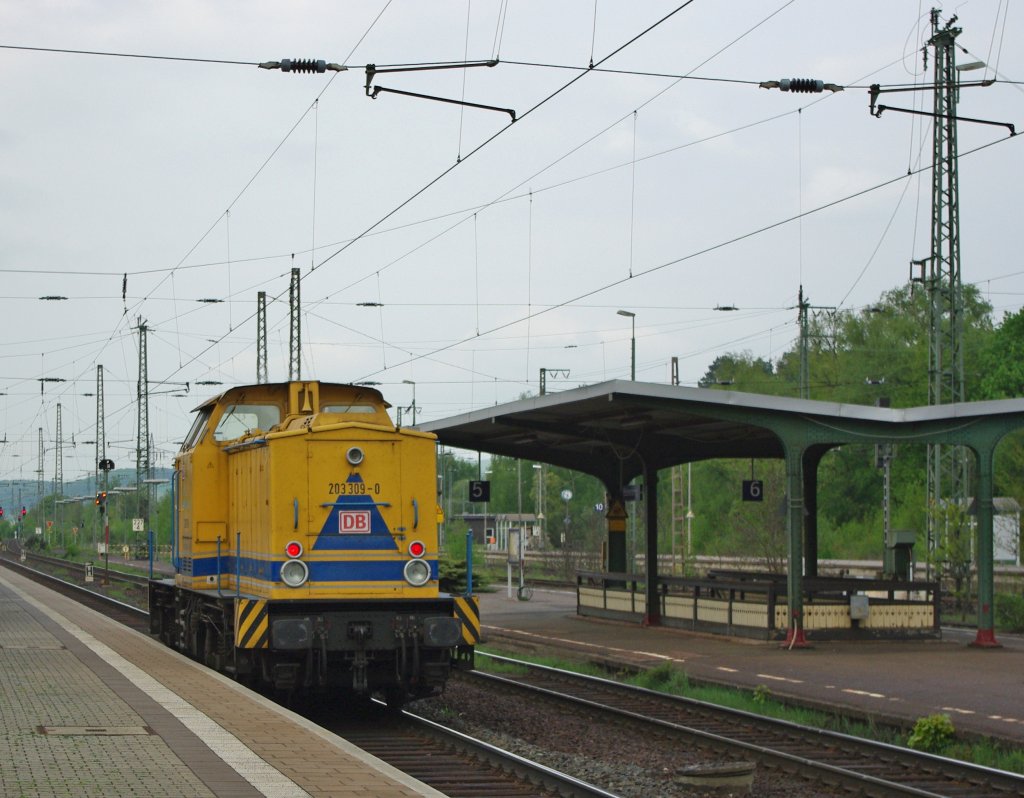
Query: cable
x=64 y=51
x=691 y=256
x=491 y=138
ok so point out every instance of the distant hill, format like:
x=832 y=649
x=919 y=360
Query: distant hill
x=17 y=493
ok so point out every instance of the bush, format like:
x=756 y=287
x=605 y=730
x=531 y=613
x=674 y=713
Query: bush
x=34 y=543
x=665 y=678
x=1009 y=609
x=933 y=734
x=451 y=574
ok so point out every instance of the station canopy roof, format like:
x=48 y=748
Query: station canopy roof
x=614 y=429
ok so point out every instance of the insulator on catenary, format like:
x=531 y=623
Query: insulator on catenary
x=303 y=65
x=802 y=85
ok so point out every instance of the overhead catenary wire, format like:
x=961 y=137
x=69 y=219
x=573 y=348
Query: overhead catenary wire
x=496 y=135
x=171 y=271
x=536 y=189
x=676 y=261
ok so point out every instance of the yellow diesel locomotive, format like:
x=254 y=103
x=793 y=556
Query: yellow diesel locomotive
x=305 y=546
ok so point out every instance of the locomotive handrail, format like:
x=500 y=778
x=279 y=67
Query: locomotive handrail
x=371 y=503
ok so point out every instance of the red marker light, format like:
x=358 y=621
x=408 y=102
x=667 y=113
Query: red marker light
x=417 y=549
x=293 y=549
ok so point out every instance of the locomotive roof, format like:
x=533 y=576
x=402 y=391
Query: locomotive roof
x=214 y=400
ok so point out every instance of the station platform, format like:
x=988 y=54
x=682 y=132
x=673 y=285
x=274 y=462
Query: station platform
x=91 y=708
x=981 y=689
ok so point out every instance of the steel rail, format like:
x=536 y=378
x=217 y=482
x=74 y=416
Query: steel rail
x=561 y=783
x=1000 y=782
x=531 y=773
x=79 y=593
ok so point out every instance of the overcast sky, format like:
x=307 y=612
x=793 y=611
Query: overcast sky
x=493 y=248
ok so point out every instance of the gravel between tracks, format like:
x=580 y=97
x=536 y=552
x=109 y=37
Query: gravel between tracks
x=614 y=758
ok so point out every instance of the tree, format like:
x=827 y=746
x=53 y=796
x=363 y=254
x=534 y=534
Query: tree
x=952 y=555
x=858 y=357
x=762 y=525
x=739 y=371
x=1002 y=360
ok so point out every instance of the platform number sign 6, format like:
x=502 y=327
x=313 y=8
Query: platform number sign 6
x=753 y=490
x=479 y=490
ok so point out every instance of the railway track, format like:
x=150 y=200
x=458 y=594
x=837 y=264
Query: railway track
x=862 y=766
x=458 y=765
x=433 y=754
x=130 y=615
x=78 y=570
x=453 y=763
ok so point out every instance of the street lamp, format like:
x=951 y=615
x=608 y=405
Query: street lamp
x=632 y=341
x=413 y=384
x=539 y=499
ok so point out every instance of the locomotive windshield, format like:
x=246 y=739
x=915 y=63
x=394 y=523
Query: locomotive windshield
x=241 y=419
x=198 y=430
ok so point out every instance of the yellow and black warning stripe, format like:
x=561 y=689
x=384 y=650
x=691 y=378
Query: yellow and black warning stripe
x=467 y=610
x=252 y=624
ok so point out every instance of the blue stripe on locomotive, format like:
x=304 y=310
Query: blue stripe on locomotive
x=328 y=539
x=343 y=571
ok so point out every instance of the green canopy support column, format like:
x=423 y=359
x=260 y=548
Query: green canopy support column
x=812 y=457
x=652 y=617
x=795 y=524
x=986 y=634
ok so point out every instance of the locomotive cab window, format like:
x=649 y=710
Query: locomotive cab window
x=348 y=409
x=198 y=430
x=239 y=420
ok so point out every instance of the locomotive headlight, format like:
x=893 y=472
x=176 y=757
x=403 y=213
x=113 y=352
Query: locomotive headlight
x=355 y=455
x=294 y=573
x=417 y=572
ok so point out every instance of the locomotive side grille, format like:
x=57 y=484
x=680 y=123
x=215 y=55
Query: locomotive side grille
x=467 y=610
x=252 y=628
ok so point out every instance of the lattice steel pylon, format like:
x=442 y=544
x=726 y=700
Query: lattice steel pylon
x=143 y=466
x=58 y=471
x=39 y=471
x=262 y=376
x=948 y=477
x=101 y=433
x=294 y=329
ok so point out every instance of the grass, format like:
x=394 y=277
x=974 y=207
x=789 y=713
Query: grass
x=674 y=681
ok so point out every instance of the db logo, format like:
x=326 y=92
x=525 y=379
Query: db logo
x=354 y=522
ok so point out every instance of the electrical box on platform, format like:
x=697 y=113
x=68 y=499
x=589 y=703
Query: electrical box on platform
x=859 y=608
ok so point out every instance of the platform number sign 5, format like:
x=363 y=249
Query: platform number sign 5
x=753 y=490
x=479 y=490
